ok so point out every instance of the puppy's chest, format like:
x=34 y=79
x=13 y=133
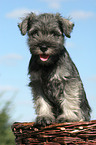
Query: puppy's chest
x=50 y=82
x=52 y=85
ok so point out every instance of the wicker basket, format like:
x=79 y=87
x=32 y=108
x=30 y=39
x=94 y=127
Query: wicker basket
x=73 y=133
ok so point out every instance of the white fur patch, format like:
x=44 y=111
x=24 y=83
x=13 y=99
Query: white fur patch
x=43 y=108
x=71 y=102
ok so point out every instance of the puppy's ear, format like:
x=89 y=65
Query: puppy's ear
x=24 y=25
x=66 y=25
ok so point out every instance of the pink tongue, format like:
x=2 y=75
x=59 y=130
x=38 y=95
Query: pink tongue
x=44 y=57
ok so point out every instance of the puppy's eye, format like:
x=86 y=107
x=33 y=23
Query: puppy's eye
x=34 y=32
x=55 y=33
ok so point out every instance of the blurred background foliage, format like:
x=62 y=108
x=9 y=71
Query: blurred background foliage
x=6 y=135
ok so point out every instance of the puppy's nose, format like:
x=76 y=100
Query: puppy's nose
x=43 y=48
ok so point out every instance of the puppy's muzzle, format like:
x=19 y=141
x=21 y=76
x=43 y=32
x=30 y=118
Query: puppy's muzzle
x=43 y=48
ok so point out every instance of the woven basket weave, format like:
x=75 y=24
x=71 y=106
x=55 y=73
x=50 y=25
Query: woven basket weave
x=73 y=133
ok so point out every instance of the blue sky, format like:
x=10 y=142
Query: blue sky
x=15 y=56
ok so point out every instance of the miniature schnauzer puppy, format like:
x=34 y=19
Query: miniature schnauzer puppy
x=57 y=89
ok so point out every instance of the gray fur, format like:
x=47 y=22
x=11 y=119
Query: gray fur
x=57 y=89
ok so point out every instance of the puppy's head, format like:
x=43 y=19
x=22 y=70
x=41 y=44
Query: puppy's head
x=46 y=34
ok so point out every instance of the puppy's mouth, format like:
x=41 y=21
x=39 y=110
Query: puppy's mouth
x=44 y=57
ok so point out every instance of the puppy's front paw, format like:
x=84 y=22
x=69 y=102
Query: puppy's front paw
x=61 y=119
x=44 y=120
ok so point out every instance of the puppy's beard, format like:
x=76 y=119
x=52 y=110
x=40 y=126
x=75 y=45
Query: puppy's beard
x=44 y=57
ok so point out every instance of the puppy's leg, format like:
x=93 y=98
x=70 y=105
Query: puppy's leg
x=45 y=115
x=71 y=102
x=42 y=107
